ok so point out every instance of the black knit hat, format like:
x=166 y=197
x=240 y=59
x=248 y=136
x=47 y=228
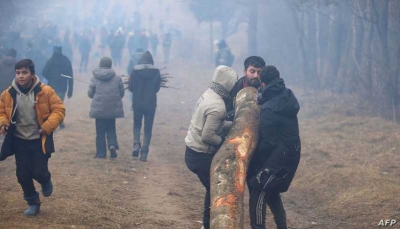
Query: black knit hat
x=57 y=49
x=269 y=73
x=105 y=62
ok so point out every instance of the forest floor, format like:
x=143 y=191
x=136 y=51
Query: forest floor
x=349 y=175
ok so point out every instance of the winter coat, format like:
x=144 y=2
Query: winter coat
x=50 y=112
x=56 y=66
x=144 y=83
x=205 y=133
x=106 y=89
x=279 y=141
x=7 y=72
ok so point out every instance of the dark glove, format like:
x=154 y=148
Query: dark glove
x=268 y=179
x=230 y=115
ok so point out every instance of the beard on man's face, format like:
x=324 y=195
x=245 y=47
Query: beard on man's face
x=254 y=82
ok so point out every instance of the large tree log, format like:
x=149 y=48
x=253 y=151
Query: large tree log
x=229 y=166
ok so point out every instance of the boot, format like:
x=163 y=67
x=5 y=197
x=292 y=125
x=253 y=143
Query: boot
x=136 y=149
x=143 y=154
x=34 y=205
x=113 y=152
x=47 y=189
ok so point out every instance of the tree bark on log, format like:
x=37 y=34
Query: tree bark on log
x=229 y=166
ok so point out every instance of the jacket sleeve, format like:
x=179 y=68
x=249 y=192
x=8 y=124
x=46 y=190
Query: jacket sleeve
x=158 y=84
x=131 y=81
x=4 y=120
x=121 y=88
x=209 y=134
x=268 y=133
x=92 y=89
x=70 y=81
x=57 y=112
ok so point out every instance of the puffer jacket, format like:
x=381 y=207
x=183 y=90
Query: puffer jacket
x=107 y=90
x=207 y=124
x=50 y=112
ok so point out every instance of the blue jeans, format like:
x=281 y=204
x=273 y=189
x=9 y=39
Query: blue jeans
x=148 y=116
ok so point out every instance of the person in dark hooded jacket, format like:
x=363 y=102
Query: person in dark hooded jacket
x=55 y=67
x=107 y=90
x=277 y=155
x=7 y=71
x=144 y=83
x=58 y=72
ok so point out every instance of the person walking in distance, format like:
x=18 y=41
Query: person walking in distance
x=144 y=83
x=106 y=90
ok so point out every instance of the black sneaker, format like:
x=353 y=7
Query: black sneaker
x=113 y=152
x=136 y=149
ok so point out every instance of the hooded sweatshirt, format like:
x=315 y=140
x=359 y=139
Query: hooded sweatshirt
x=106 y=90
x=7 y=72
x=27 y=126
x=144 y=83
x=207 y=124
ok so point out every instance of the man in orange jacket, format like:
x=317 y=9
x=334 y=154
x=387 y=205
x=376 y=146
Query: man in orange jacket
x=29 y=132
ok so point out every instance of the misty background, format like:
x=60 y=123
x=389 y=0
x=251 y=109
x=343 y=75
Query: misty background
x=349 y=47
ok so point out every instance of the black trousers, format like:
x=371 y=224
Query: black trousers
x=84 y=61
x=200 y=164
x=148 y=116
x=31 y=163
x=105 y=128
x=259 y=200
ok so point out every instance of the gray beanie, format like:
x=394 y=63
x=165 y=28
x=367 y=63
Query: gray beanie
x=225 y=76
x=105 y=62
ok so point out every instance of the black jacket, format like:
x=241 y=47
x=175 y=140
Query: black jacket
x=230 y=108
x=59 y=64
x=144 y=83
x=279 y=140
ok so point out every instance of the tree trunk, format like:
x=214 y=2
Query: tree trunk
x=252 y=28
x=229 y=166
x=212 y=43
x=318 y=46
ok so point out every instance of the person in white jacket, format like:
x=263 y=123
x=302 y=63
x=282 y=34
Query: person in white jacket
x=207 y=129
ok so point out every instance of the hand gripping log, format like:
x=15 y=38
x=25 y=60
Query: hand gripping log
x=229 y=166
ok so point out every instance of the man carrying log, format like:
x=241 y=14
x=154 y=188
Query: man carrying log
x=252 y=69
x=277 y=155
x=206 y=131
